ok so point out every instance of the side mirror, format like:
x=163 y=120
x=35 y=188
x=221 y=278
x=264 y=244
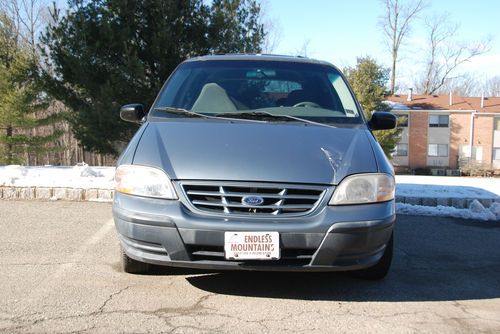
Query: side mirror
x=382 y=120
x=132 y=113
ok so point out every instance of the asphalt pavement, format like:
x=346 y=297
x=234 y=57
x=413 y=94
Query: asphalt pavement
x=60 y=274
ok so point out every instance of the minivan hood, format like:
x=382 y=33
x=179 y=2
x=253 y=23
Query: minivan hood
x=201 y=149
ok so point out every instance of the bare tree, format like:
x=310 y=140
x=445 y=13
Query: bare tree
x=303 y=51
x=272 y=29
x=396 y=23
x=437 y=35
x=492 y=87
x=29 y=18
x=466 y=84
x=445 y=55
x=273 y=36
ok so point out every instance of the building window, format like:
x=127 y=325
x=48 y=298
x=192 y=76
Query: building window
x=497 y=124
x=464 y=151
x=402 y=121
x=496 y=153
x=438 y=150
x=439 y=121
x=401 y=150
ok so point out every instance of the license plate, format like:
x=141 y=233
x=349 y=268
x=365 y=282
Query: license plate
x=252 y=245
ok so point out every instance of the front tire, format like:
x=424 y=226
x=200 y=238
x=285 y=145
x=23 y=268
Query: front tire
x=380 y=270
x=132 y=266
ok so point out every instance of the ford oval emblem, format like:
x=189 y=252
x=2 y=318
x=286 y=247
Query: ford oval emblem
x=252 y=200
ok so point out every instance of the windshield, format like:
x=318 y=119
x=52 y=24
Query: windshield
x=221 y=88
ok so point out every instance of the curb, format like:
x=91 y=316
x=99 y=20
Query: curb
x=56 y=193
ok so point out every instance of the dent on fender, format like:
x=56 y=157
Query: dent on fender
x=339 y=161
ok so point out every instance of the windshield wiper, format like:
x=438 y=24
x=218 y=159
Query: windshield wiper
x=180 y=111
x=264 y=115
x=189 y=113
x=253 y=115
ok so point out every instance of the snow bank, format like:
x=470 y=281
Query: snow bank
x=447 y=186
x=81 y=176
x=475 y=211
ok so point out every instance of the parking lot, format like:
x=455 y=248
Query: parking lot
x=60 y=274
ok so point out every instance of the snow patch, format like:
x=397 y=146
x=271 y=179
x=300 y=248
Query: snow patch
x=87 y=171
x=474 y=212
x=14 y=173
x=476 y=206
x=495 y=209
x=396 y=105
x=447 y=186
x=81 y=176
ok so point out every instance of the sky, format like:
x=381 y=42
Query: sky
x=339 y=31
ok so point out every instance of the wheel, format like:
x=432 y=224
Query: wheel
x=307 y=104
x=382 y=267
x=132 y=266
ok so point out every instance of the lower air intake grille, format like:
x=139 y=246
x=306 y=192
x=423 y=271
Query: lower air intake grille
x=253 y=199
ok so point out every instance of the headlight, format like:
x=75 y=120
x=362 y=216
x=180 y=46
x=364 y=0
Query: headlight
x=364 y=188
x=143 y=181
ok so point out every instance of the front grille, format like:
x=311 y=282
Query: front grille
x=276 y=199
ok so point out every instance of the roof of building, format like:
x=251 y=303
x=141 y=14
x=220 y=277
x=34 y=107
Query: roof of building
x=442 y=102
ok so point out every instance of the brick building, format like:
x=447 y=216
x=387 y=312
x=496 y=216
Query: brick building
x=437 y=131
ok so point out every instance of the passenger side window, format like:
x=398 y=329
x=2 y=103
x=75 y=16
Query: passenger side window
x=344 y=94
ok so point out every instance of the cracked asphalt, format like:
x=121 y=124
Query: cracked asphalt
x=60 y=274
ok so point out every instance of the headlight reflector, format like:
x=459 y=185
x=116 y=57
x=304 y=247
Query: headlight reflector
x=143 y=181
x=364 y=188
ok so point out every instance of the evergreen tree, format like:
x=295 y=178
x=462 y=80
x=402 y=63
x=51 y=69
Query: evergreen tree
x=107 y=53
x=20 y=98
x=368 y=80
x=235 y=27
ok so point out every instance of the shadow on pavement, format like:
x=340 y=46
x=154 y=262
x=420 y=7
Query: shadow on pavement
x=436 y=259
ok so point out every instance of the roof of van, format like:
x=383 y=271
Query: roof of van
x=257 y=56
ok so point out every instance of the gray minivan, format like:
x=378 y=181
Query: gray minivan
x=255 y=162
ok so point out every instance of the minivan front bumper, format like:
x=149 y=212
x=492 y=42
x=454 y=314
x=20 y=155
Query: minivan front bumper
x=333 y=238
